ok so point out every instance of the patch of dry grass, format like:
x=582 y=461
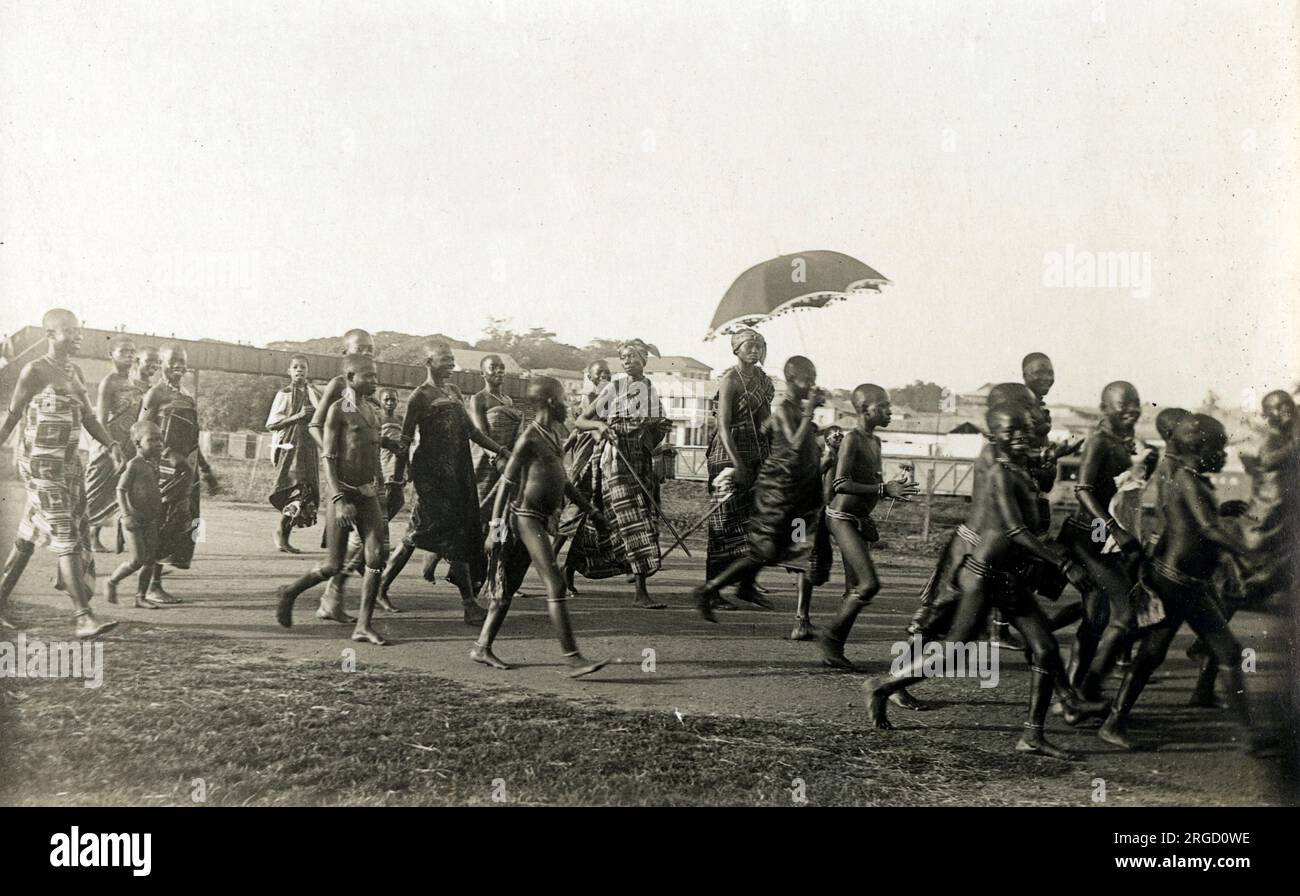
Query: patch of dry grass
x=177 y=707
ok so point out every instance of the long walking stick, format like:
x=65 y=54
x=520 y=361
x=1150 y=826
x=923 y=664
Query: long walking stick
x=704 y=519
x=649 y=497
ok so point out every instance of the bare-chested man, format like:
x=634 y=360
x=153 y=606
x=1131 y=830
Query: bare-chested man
x=351 y=457
x=51 y=403
x=524 y=517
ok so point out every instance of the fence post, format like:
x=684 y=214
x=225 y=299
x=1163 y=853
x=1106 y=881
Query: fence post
x=929 y=499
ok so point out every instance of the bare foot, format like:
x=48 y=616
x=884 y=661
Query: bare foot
x=5 y=623
x=331 y=607
x=1034 y=742
x=110 y=592
x=143 y=602
x=159 y=595
x=877 y=704
x=833 y=653
x=580 y=666
x=98 y=546
x=284 y=606
x=703 y=597
x=368 y=634
x=643 y=602
x=90 y=627
x=386 y=605
x=803 y=631
x=485 y=656
x=903 y=699
x=1112 y=732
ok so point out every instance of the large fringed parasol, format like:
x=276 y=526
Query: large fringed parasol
x=780 y=285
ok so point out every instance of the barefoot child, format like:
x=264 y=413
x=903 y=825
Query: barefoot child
x=1002 y=521
x=859 y=485
x=140 y=502
x=355 y=342
x=1175 y=580
x=351 y=460
x=527 y=506
x=787 y=496
x=1107 y=623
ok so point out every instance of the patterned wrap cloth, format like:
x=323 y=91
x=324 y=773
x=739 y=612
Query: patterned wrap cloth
x=102 y=471
x=730 y=514
x=50 y=467
x=630 y=543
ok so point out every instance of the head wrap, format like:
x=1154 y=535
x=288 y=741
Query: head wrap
x=747 y=334
x=635 y=345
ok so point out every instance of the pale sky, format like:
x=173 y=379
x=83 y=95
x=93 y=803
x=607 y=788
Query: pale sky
x=607 y=169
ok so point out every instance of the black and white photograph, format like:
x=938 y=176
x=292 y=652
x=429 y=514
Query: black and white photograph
x=560 y=403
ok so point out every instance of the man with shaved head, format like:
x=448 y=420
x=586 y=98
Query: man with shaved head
x=51 y=403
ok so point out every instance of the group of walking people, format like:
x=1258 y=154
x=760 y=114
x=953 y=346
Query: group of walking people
x=501 y=487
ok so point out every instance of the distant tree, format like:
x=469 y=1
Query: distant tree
x=235 y=402
x=535 y=348
x=923 y=397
